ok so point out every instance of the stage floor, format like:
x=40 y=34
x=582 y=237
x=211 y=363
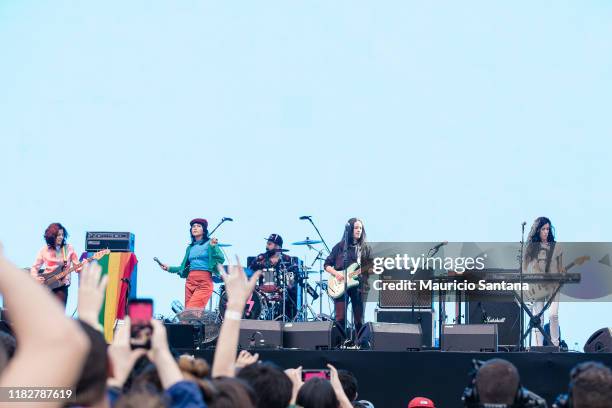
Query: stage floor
x=391 y=379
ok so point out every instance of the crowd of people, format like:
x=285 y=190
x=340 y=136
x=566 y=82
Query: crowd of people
x=52 y=350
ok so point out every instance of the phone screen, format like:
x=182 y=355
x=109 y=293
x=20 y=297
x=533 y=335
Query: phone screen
x=141 y=313
x=308 y=374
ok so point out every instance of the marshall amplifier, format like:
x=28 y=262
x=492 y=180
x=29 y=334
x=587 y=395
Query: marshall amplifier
x=408 y=299
x=115 y=241
x=502 y=311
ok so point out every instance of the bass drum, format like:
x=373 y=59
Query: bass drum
x=256 y=307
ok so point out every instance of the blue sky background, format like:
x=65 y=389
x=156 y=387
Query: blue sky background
x=430 y=121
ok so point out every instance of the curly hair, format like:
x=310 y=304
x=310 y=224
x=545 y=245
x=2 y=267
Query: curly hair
x=534 y=240
x=51 y=234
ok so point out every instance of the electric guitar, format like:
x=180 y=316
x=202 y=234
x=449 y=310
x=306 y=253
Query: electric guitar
x=335 y=287
x=539 y=291
x=53 y=279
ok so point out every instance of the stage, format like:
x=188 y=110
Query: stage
x=391 y=379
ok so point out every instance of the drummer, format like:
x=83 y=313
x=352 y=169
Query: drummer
x=272 y=281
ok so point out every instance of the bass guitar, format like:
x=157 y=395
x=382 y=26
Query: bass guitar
x=53 y=279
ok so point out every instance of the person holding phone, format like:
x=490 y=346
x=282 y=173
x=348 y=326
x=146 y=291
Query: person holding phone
x=201 y=258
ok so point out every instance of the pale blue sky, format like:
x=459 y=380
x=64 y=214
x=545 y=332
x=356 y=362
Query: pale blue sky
x=430 y=121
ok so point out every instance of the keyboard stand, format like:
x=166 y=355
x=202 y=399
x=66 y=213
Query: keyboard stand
x=535 y=321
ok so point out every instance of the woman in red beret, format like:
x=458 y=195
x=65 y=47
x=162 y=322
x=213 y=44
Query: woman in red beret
x=200 y=262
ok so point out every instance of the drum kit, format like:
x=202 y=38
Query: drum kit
x=283 y=290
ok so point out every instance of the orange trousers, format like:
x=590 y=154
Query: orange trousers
x=198 y=289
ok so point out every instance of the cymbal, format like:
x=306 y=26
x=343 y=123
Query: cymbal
x=307 y=242
x=224 y=245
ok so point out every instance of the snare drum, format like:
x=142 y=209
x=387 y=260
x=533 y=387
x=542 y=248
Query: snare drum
x=256 y=307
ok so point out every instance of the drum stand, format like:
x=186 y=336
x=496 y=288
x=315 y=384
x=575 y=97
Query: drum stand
x=282 y=270
x=306 y=307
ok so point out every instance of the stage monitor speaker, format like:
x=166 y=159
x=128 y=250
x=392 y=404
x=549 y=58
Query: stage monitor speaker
x=424 y=318
x=600 y=341
x=469 y=337
x=260 y=334
x=323 y=335
x=506 y=314
x=182 y=338
x=391 y=337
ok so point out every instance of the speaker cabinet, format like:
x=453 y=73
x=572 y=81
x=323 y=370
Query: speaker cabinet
x=260 y=334
x=391 y=337
x=182 y=337
x=424 y=318
x=600 y=341
x=312 y=335
x=469 y=337
x=505 y=314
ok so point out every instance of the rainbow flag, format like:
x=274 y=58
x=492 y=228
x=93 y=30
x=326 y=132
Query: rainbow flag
x=118 y=266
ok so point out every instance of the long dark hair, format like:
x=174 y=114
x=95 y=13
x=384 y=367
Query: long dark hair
x=317 y=393
x=51 y=234
x=533 y=239
x=204 y=237
x=232 y=393
x=348 y=229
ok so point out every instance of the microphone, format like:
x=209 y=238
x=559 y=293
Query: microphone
x=305 y=217
x=227 y=219
x=524 y=223
x=440 y=245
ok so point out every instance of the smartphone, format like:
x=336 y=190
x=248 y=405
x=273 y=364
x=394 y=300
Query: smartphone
x=141 y=313
x=308 y=374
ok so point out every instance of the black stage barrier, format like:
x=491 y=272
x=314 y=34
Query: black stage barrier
x=392 y=379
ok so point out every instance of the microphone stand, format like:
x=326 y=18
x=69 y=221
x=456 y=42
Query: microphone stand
x=320 y=284
x=319 y=234
x=441 y=301
x=218 y=225
x=345 y=266
x=521 y=343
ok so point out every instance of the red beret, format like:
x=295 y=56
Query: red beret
x=200 y=221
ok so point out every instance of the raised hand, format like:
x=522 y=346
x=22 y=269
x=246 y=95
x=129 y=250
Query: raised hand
x=245 y=358
x=295 y=375
x=337 y=386
x=91 y=294
x=122 y=356
x=237 y=286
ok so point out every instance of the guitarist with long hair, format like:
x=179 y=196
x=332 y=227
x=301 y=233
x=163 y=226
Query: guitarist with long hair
x=543 y=255
x=55 y=254
x=355 y=255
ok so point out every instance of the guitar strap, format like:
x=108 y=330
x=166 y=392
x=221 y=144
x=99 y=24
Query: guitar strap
x=549 y=255
x=64 y=257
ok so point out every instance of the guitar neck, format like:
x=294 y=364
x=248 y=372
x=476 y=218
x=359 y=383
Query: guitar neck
x=73 y=268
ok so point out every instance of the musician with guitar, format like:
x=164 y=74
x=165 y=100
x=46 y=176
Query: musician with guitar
x=55 y=256
x=351 y=253
x=544 y=255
